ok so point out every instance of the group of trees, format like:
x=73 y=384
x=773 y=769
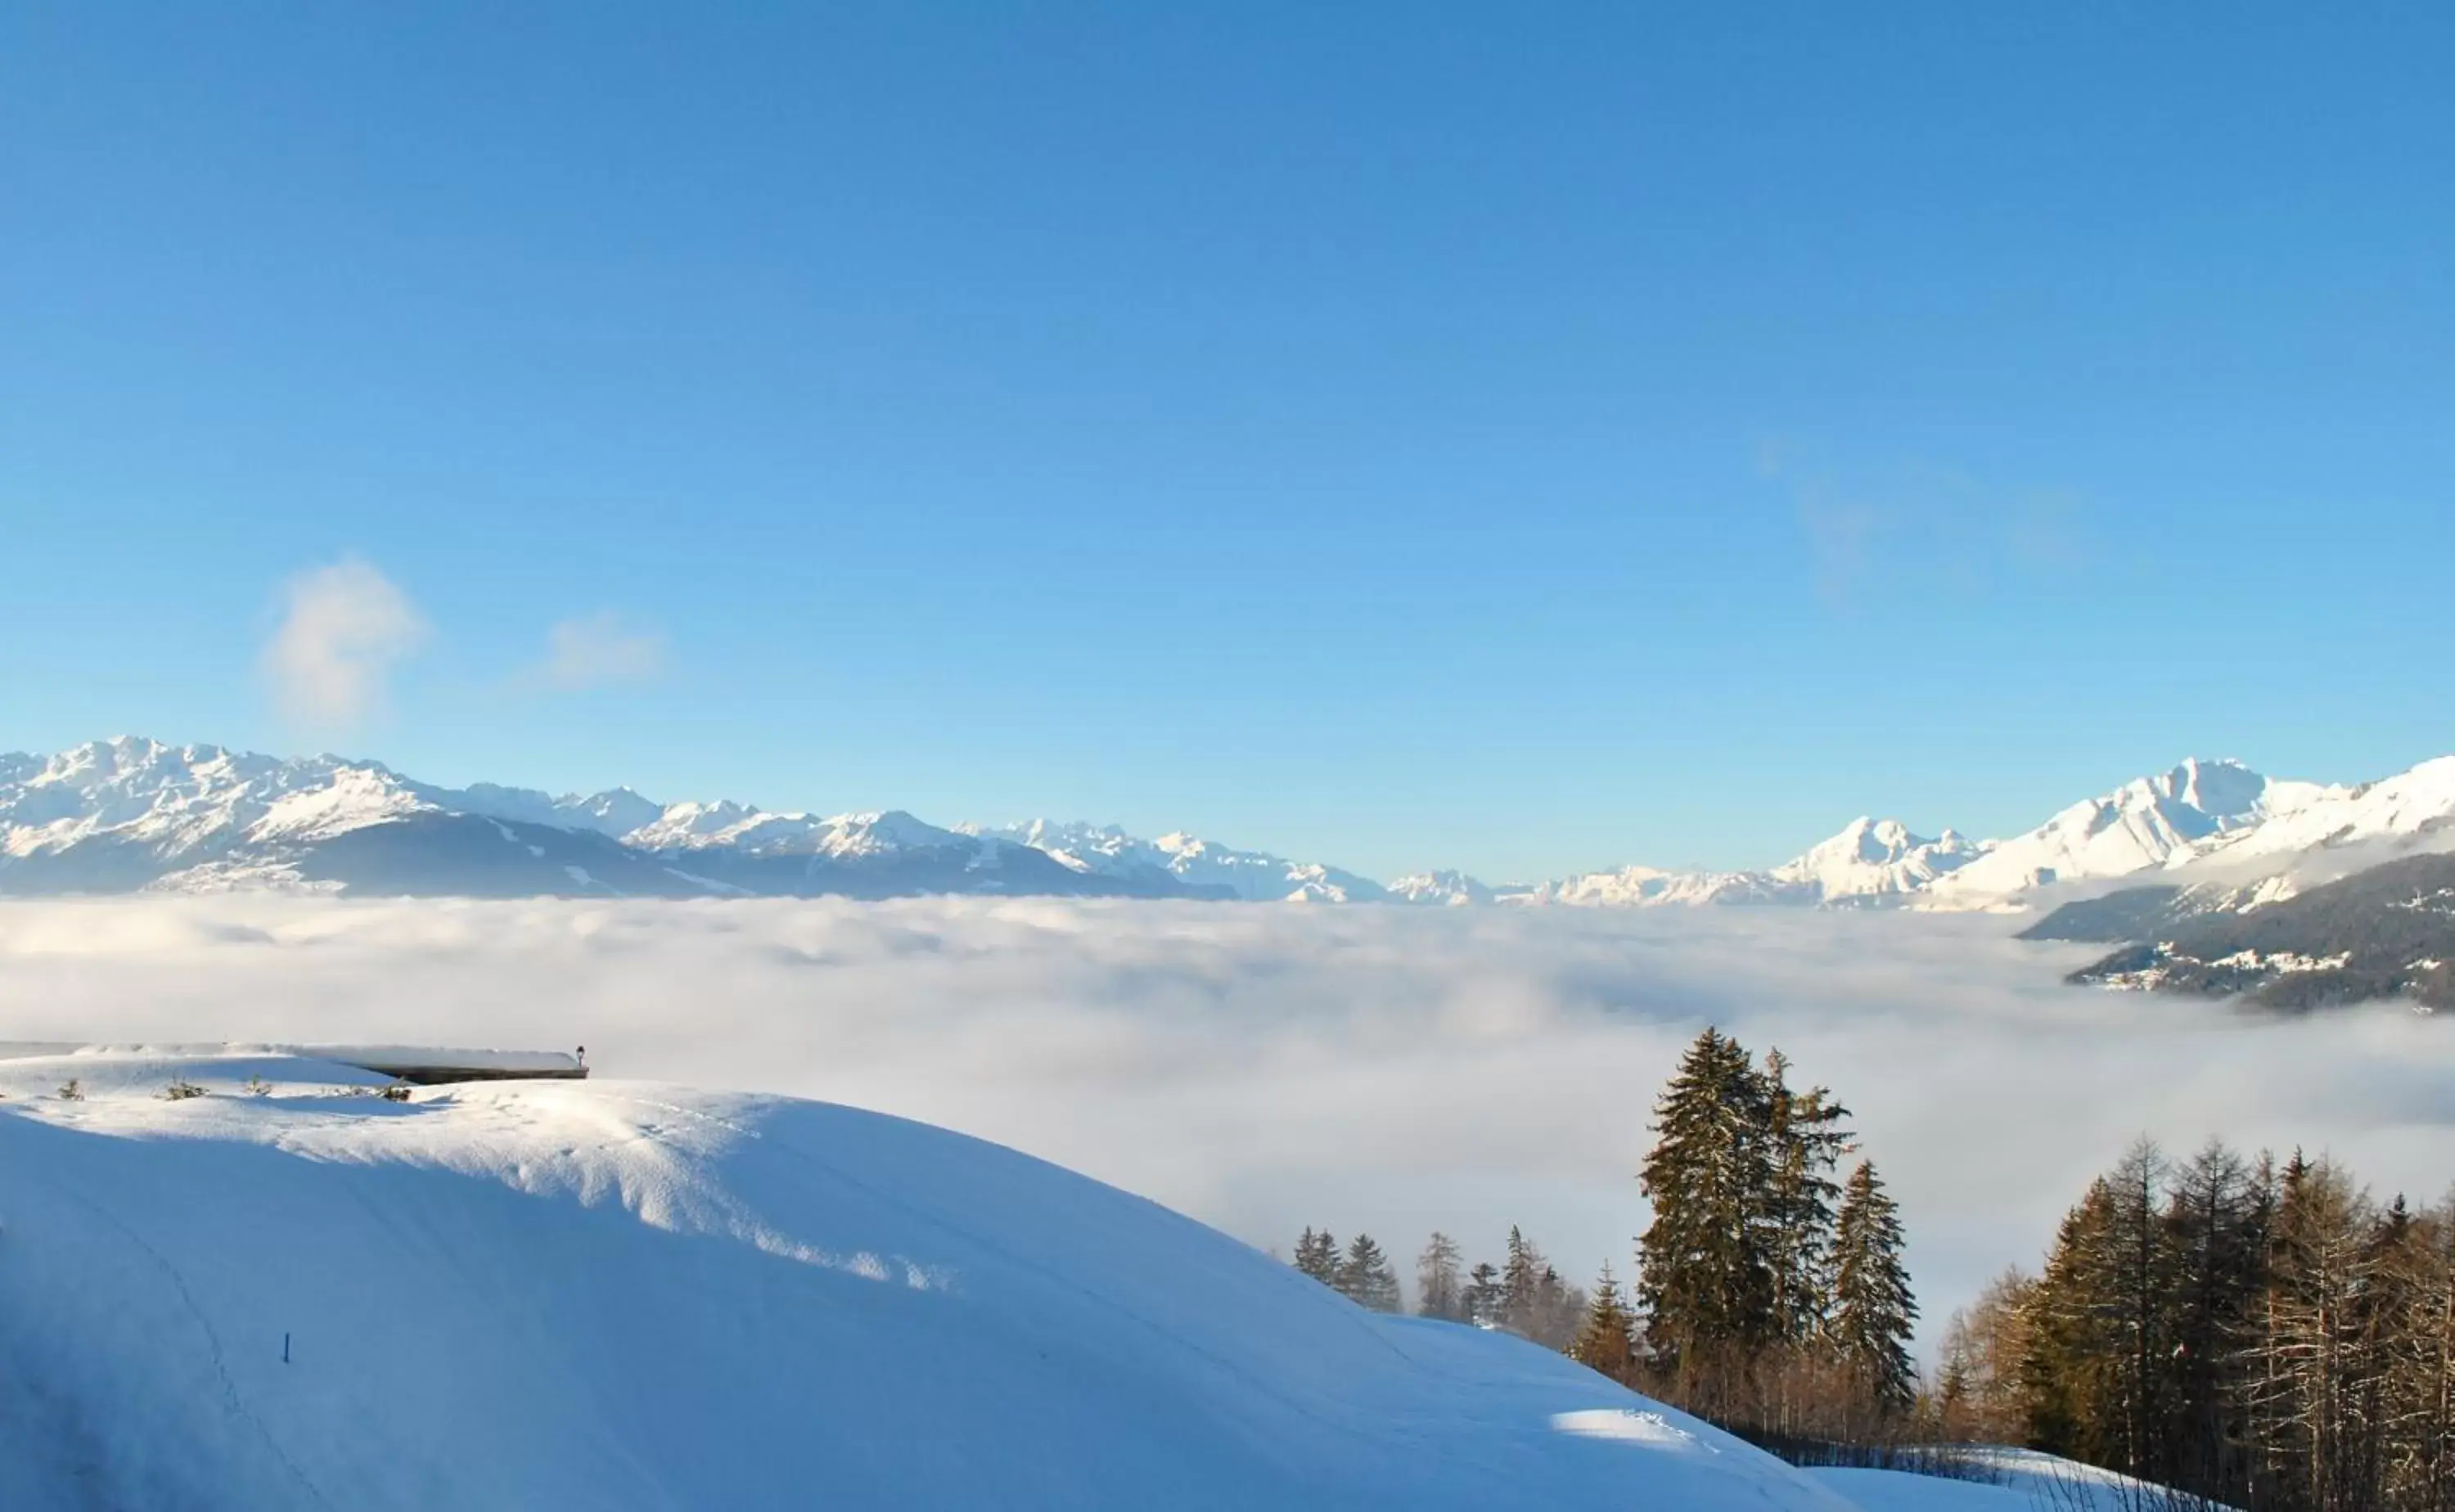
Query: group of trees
x=1768 y=1296
x=1774 y=1299
x=1525 y=1294
x=2264 y=1336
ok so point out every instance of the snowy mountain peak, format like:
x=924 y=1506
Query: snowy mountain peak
x=130 y=812
x=2149 y=821
x=1874 y=859
x=1185 y=861
x=1440 y=888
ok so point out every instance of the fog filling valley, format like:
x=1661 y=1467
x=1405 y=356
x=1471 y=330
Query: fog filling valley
x=1264 y=1068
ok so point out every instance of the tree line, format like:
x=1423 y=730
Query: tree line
x=1768 y=1296
x=2263 y=1335
x=1524 y=1296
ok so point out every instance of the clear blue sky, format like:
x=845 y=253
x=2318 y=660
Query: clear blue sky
x=1519 y=438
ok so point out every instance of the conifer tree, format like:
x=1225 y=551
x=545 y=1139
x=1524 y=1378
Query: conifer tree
x=1485 y=1295
x=1367 y=1277
x=1807 y=1142
x=1440 y=1290
x=1317 y=1256
x=1873 y=1311
x=2067 y=1370
x=1707 y=1268
x=1520 y=1278
x=1605 y=1339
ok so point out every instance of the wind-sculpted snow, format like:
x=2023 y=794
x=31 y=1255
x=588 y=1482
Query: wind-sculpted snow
x=1393 y=1070
x=629 y=1295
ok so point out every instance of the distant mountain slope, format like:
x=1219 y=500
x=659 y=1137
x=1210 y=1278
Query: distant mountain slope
x=1443 y=889
x=2387 y=931
x=2145 y=824
x=121 y=815
x=1197 y=866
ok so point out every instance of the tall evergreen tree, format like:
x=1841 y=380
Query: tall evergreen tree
x=1366 y=1275
x=1708 y=1264
x=1521 y=1277
x=1873 y=1310
x=1605 y=1339
x=1486 y=1295
x=1440 y=1289
x=1807 y=1142
x=1317 y=1256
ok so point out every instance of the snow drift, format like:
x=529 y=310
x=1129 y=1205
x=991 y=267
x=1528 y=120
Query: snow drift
x=620 y=1294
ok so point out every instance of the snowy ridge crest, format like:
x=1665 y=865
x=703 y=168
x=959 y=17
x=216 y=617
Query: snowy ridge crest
x=130 y=813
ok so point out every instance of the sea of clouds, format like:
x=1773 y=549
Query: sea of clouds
x=1265 y=1068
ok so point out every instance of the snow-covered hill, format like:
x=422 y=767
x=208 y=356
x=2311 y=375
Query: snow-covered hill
x=625 y=1295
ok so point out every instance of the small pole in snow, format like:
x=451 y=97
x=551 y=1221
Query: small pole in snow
x=285 y=1348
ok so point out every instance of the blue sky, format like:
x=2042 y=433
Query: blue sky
x=1524 y=438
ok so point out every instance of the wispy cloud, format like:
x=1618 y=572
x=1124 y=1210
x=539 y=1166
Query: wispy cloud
x=1265 y=1068
x=595 y=649
x=1919 y=523
x=344 y=627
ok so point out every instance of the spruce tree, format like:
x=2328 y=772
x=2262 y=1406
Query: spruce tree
x=1367 y=1277
x=2065 y=1371
x=1605 y=1339
x=1317 y=1256
x=1520 y=1276
x=1707 y=1263
x=1873 y=1310
x=1807 y=1142
x=1485 y=1295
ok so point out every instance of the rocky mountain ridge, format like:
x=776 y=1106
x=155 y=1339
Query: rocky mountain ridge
x=128 y=814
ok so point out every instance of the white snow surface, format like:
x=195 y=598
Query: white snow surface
x=1252 y=875
x=628 y=1295
x=2410 y=804
x=1879 y=859
x=1447 y=889
x=701 y=826
x=2148 y=822
x=233 y=820
x=176 y=800
x=2017 y=1480
x=1652 y=887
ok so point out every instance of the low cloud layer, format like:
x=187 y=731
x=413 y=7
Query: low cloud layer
x=1265 y=1068
x=344 y=626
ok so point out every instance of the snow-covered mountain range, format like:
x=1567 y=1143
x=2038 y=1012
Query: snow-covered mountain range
x=131 y=813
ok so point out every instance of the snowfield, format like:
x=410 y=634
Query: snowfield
x=625 y=1294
